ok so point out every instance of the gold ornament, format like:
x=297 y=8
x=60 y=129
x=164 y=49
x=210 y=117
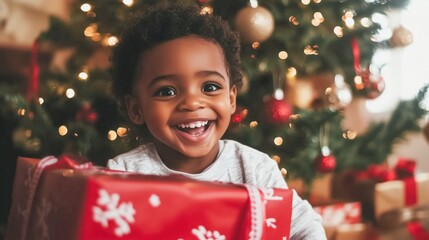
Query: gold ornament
x=401 y=37
x=254 y=24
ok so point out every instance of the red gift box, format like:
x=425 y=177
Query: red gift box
x=59 y=199
x=342 y=220
x=340 y=213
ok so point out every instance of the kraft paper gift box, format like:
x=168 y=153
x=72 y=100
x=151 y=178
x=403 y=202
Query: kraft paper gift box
x=392 y=195
x=59 y=199
x=319 y=192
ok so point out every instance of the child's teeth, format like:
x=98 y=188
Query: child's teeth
x=194 y=124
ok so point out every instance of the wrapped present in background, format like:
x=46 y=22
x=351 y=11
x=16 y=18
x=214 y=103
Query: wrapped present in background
x=318 y=193
x=397 y=194
x=340 y=213
x=385 y=194
x=342 y=220
x=60 y=199
x=321 y=190
x=380 y=188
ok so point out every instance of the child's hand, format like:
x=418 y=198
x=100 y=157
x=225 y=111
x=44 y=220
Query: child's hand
x=283 y=171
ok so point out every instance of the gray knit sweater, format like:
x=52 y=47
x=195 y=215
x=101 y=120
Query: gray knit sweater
x=235 y=163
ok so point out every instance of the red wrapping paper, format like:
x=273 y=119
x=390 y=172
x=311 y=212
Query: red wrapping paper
x=74 y=203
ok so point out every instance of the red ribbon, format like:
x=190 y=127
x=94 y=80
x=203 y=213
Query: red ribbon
x=405 y=168
x=35 y=72
x=67 y=162
x=410 y=191
x=417 y=231
x=365 y=74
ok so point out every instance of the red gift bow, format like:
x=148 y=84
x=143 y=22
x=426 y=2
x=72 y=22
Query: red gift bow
x=404 y=169
x=49 y=162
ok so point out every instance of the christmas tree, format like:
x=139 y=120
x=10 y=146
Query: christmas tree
x=68 y=107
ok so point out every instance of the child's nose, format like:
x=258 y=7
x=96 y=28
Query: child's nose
x=191 y=101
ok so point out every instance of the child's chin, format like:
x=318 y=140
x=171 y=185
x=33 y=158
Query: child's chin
x=197 y=153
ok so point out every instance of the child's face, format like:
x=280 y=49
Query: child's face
x=182 y=92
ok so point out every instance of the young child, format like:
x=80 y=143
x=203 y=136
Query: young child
x=177 y=72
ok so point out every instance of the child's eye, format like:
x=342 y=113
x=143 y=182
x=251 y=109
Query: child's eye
x=165 y=92
x=210 y=87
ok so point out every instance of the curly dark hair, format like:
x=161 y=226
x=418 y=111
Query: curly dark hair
x=163 y=22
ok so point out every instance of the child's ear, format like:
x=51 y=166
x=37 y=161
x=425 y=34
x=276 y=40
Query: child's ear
x=233 y=98
x=134 y=110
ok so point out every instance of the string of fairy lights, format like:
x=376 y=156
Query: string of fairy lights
x=349 y=20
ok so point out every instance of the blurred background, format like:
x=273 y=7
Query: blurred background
x=330 y=87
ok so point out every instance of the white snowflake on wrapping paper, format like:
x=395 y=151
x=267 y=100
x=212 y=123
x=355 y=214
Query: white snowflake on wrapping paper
x=24 y=210
x=43 y=211
x=271 y=222
x=269 y=195
x=203 y=234
x=121 y=214
x=154 y=200
x=29 y=176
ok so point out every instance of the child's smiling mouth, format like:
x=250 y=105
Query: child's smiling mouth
x=195 y=128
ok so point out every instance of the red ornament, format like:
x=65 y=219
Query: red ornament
x=277 y=111
x=87 y=114
x=326 y=164
x=371 y=85
x=239 y=115
x=237 y=118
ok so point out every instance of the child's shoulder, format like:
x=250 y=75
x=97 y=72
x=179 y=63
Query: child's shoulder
x=146 y=150
x=140 y=159
x=254 y=164
x=244 y=152
x=237 y=146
